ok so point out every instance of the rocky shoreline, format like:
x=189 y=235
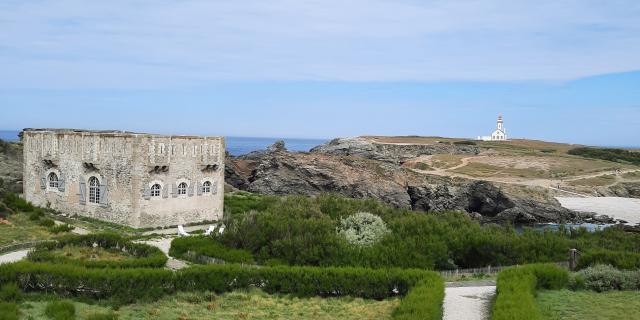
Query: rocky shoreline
x=358 y=168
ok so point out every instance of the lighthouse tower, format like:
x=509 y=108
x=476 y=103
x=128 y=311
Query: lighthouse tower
x=500 y=134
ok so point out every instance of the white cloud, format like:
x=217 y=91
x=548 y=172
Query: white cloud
x=154 y=44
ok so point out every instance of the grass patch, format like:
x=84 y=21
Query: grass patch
x=446 y=161
x=584 y=305
x=22 y=229
x=241 y=304
x=477 y=169
x=90 y=254
x=595 y=181
x=632 y=175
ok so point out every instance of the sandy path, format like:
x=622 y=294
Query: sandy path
x=14 y=256
x=627 y=209
x=468 y=303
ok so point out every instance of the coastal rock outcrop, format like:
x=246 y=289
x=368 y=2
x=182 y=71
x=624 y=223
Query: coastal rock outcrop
x=276 y=171
x=388 y=152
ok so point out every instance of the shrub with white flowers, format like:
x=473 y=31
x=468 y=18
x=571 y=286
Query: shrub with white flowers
x=362 y=229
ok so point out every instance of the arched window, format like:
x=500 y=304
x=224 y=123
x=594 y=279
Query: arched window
x=182 y=188
x=206 y=187
x=155 y=190
x=94 y=190
x=53 y=180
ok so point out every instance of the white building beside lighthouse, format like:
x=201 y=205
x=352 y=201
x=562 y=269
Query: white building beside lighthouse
x=500 y=134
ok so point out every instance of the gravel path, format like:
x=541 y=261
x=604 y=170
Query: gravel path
x=14 y=256
x=468 y=303
x=627 y=209
x=164 y=244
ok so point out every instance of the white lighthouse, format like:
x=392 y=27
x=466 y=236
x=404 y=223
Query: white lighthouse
x=500 y=134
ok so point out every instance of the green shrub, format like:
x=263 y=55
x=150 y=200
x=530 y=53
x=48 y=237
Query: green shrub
x=47 y=223
x=465 y=142
x=5 y=211
x=208 y=247
x=602 y=278
x=423 y=302
x=9 y=311
x=60 y=310
x=241 y=202
x=549 y=276
x=300 y=230
x=422 y=166
x=618 y=259
x=102 y=316
x=10 y=292
x=145 y=256
x=61 y=228
x=128 y=285
x=610 y=154
x=516 y=288
x=362 y=229
x=16 y=203
x=36 y=215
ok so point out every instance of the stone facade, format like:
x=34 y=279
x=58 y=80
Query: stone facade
x=140 y=180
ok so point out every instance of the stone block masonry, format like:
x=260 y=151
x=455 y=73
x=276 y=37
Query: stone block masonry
x=136 y=179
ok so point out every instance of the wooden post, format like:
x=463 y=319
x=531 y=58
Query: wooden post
x=573 y=259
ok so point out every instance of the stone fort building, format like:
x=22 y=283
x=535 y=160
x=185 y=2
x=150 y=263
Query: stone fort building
x=135 y=179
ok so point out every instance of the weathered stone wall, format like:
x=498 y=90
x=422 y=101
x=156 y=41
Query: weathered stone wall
x=126 y=165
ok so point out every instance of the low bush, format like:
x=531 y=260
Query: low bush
x=47 y=223
x=189 y=248
x=16 y=203
x=300 y=230
x=423 y=166
x=61 y=228
x=144 y=256
x=60 y=310
x=423 y=302
x=465 y=142
x=303 y=281
x=9 y=311
x=10 y=293
x=618 y=259
x=610 y=154
x=5 y=211
x=36 y=215
x=516 y=288
x=102 y=316
x=362 y=229
x=128 y=285
x=602 y=278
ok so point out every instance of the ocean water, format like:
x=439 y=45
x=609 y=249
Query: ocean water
x=242 y=145
x=235 y=145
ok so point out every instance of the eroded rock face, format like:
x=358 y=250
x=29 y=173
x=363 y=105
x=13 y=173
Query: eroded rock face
x=392 y=153
x=486 y=199
x=626 y=189
x=282 y=173
x=279 y=172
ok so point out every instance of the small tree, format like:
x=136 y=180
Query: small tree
x=362 y=229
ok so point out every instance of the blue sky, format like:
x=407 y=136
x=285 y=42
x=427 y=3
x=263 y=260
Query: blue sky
x=557 y=70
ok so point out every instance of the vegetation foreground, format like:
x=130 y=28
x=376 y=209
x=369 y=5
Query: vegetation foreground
x=581 y=305
x=324 y=257
x=253 y=304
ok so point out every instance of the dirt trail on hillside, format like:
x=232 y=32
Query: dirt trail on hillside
x=551 y=183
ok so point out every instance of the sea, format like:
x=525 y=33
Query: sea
x=236 y=146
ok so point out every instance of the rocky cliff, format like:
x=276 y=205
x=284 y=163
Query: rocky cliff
x=374 y=172
x=10 y=167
